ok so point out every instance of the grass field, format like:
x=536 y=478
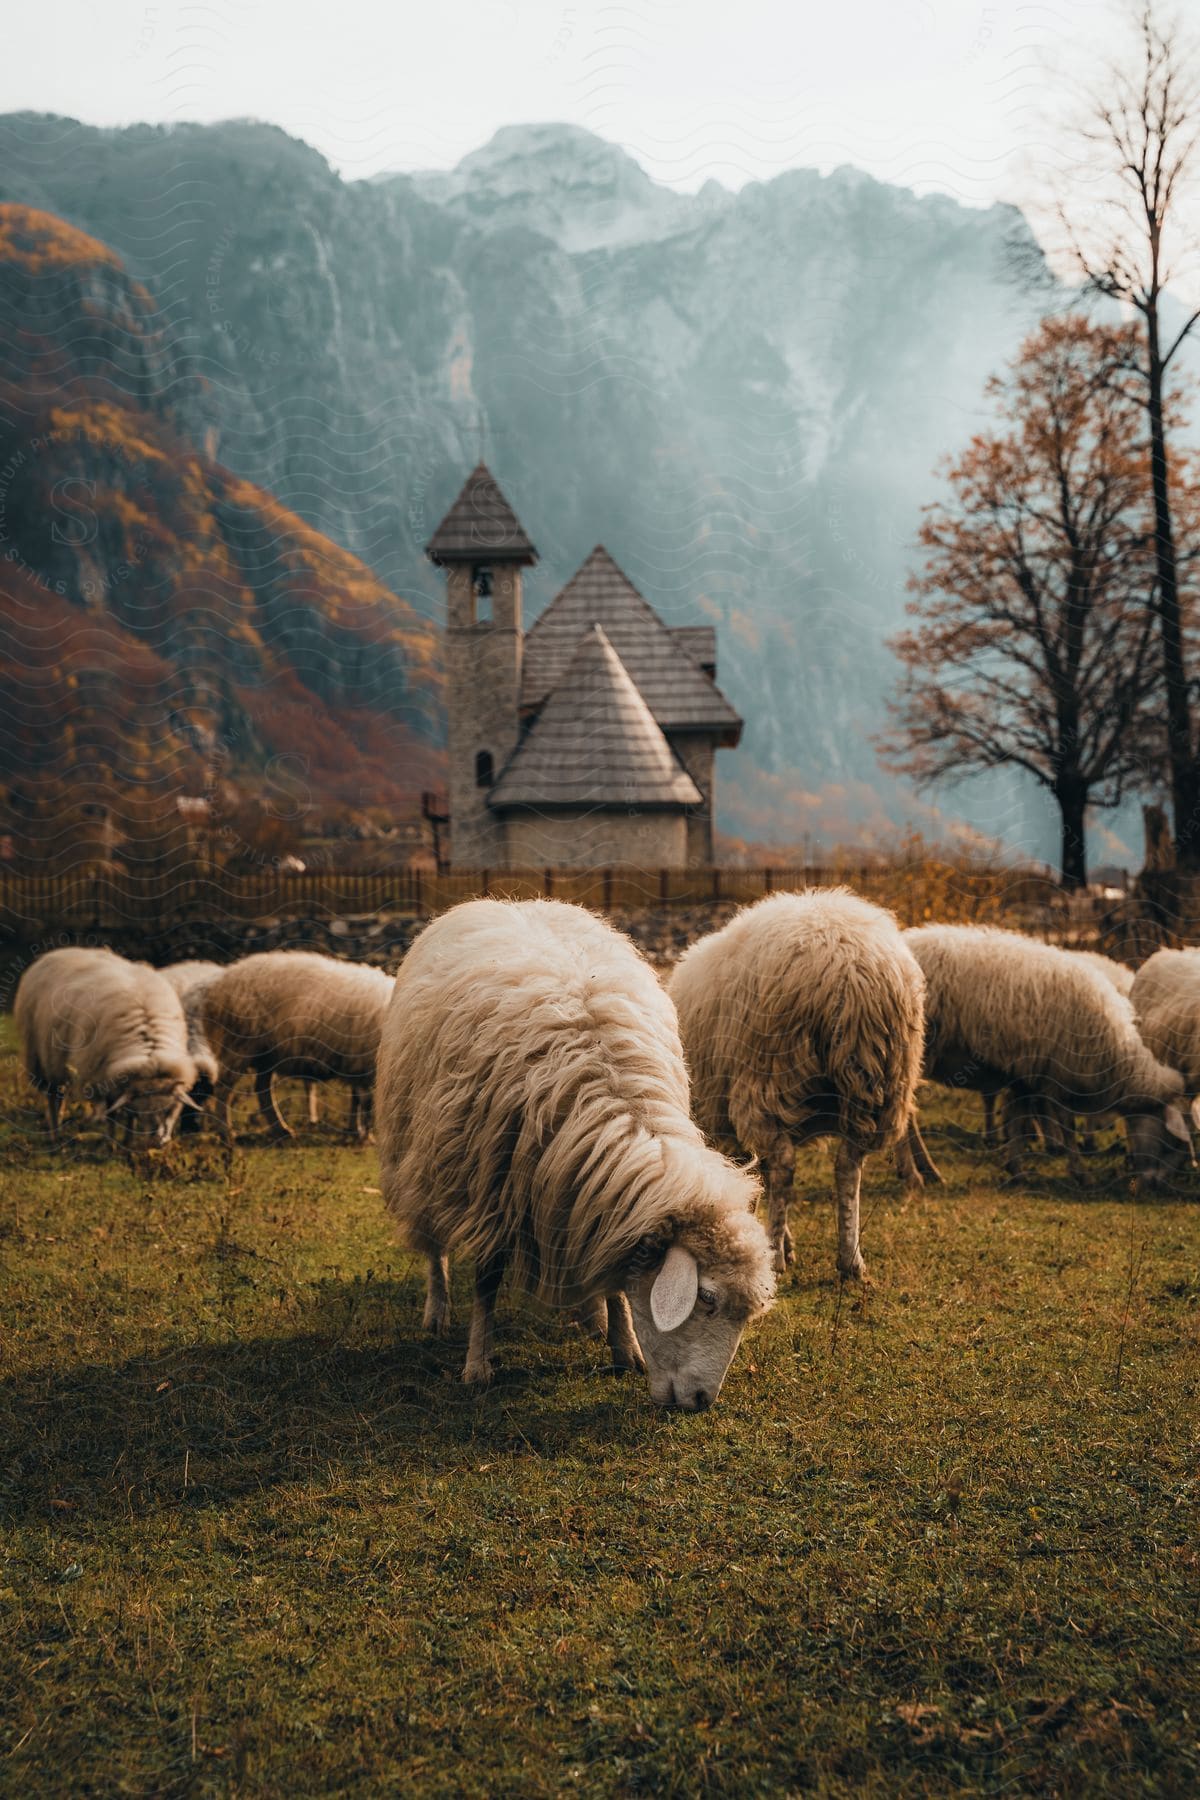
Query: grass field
x=257 y=1540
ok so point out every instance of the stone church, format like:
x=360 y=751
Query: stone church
x=588 y=739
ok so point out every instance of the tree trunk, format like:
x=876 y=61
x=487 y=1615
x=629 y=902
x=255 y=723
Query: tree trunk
x=1072 y=803
x=1185 y=789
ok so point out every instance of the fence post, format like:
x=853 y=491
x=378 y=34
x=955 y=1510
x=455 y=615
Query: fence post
x=548 y=884
x=664 y=886
x=716 y=883
x=768 y=881
x=607 y=890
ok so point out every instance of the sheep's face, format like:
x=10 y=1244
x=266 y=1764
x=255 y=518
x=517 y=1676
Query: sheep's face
x=686 y=1329
x=151 y=1112
x=1159 y=1143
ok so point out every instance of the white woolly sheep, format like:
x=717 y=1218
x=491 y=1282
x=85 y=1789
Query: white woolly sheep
x=1166 y=1004
x=533 y=1113
x=111 y=1029
x=803 y=1018
x=1059 y=1127
x=1008 y=1013
x=191 y=981
x=294 y=1012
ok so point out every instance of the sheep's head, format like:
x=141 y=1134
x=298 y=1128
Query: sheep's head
x=1159 y=1142
x=692 y=1291
x=152 y=1110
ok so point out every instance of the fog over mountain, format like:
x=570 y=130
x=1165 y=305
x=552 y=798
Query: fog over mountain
x=743 y=395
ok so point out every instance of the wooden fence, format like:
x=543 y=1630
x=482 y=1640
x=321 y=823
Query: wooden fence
x=107 y=897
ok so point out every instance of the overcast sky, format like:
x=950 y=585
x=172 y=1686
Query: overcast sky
x=946 y=94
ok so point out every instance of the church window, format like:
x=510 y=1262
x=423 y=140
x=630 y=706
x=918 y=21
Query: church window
x=481 y=588
x=483 y=768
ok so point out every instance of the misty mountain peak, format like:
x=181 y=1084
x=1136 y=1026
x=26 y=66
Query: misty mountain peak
x=562 y=181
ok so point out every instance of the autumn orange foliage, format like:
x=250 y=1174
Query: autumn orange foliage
x=166 y=628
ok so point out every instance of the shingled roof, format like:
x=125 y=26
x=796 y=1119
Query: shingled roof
x=594 y=743
x=481 y=526
x=678 y=692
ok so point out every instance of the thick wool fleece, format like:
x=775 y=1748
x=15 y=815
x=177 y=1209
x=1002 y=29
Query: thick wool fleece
x=191 y=981
x=532 y=1098
x=1119 y=973
x=1003 y=1009
x=297 y=1013
x=802 y=1017
x=89 y=1019
x=1166 y=1002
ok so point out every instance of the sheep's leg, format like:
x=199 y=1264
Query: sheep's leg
x=54 y=1101
x=314 y=1107
x=622 y=1340
x=779 y=1178
x=360 y=1114
x=1018 y=1129
x=906 y=1164
x=989 y=1121
x=223 y=1106
x=925 y=1164
x=265 y=1095
x=847 y=1177
x=437 y=1295
x=488 y=1275
x=1062 y=1126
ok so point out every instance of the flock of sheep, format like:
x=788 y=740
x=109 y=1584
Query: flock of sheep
x=546 y=1106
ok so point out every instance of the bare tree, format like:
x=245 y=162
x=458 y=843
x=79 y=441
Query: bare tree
x=1132 y=247
x=1034 y=646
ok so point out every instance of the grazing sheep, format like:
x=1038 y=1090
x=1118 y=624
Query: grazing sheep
x=803 y=1018
x=114 y=1030
x=191 y=981
x=533 y=1113
x=293 y=1012
x=1056 y=1127
x=1008 y=1013
x=1166 y=1003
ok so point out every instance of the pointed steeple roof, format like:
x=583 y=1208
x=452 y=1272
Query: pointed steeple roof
x=595 y=743
x=481 y=526
x=669 y=678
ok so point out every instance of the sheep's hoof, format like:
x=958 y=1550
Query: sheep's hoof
x=629 y=1362
x=477 y=1372
x=856 y=1272
x=436 y=1321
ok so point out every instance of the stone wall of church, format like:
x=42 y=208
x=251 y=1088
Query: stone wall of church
x=596 y=839
x=696 y=752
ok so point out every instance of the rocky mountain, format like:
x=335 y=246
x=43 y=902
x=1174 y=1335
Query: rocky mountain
x=744 y=396
x=168 y=630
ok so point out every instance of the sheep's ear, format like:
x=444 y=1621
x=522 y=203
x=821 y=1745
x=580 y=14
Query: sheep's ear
x=186 y=1100
x=674 y=1292
x=1175 y=1122
x=116 y=1105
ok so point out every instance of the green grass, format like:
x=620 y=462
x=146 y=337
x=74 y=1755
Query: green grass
x=257 y=1540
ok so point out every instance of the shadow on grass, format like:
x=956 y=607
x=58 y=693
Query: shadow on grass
x=199 y=1424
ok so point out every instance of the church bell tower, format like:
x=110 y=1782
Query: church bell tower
x=482 y=549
